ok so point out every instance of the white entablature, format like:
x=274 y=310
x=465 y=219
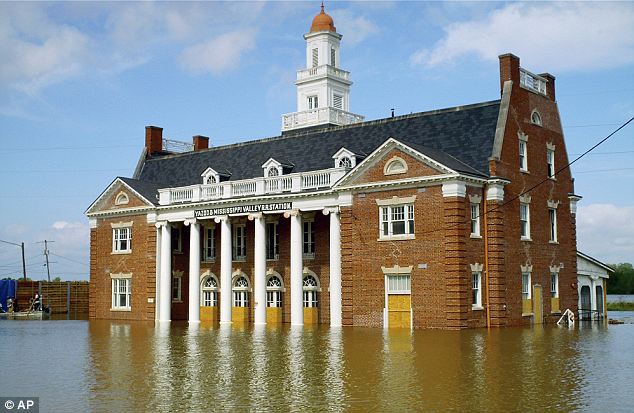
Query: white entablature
x=323 y=89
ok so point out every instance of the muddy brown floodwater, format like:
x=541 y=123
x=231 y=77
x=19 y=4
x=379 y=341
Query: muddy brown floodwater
x=112 y=366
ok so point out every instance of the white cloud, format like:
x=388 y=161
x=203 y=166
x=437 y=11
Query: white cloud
x=552 y=37
x=604 y=231
x=220 y=54
x=356 y=28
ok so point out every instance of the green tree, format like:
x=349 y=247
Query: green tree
x=622 y=281
x=57 y=279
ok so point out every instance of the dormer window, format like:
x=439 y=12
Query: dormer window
x=345 y=158
x=345 y=162
x=274 y=168
x=210 y=177
x=536 y=118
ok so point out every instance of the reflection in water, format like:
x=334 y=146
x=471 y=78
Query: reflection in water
x=137 y=366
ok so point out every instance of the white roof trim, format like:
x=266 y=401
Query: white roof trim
x=391 y=143
x=343 y=152
x=586 y=257
x=109 y=189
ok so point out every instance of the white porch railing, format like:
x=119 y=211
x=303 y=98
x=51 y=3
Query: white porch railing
x=532 y=81
x=322 y=70
x=292 y=183
x=319 y=116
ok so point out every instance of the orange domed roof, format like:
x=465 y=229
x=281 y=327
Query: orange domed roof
x=323 y=22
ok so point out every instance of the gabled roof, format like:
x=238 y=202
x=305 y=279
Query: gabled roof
x=146 y=191
x=586 y=257
x=460 y=137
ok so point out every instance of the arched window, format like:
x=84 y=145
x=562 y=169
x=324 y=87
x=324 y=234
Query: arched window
x=210 y=292
x=345 y=162
x=273 y=171
x=536 y=118
x=395 y=166
x=241 y=292
x=122 y=199
x=211 y=180
x=311 y=287
x=274 y=292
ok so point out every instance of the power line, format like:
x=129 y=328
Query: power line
x=65 y=148
x=604 y=153
x=604 y=170
x=71 y=260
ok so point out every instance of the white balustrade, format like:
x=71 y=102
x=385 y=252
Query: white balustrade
x=296 y=182
x=319 y=116
x=323 y=70
x=532 y=81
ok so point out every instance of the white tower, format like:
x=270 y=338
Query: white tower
x=323 y=89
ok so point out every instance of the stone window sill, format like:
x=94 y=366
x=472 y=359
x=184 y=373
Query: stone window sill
x=553 y=242
x=475 y=236
x=240 y=259
x=525 y=171
x=528 y=314
x=527 y=239
x=121 y=252
x=477 y=307
x=121 y=309
x=208 y=261
x=558 y=312
x=397 y=237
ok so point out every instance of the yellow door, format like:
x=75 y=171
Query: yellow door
x=537 y=304
x=399 y=310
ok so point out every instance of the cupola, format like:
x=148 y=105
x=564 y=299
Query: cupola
x=323 y=22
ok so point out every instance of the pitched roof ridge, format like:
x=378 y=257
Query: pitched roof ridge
x=333 y=128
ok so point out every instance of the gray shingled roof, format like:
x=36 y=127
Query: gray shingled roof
x=149 y=190
x=461 y=138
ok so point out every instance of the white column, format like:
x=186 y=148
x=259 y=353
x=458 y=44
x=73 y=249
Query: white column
x=166 y=273
x=194 y=271
x=335 y=267
x=157 y=293
x=260 y=268
x=297 y=302
x=225 y=269
x=593 y=298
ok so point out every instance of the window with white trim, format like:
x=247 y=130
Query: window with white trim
x=209 y=292
x=177 y=239
x=272 y=241
x=313 y=102
x=209 y=244
x=536 y=118
x=333 y=56
x=396 y=220
x=345 y=162
x=399 y=284
x=523 y=156
x=241 y=292
x=308 y=249
x=554 y=285
x=122 y=239
x=177 y=284
x=239 y=242
x=550 y=162
x=476 y=289
x=273 y=171
x=122 y=199
x=475 y=219
x=525 y=223
x=274 y=292
x=211 y=180
x=552 y=215
x=121 y=293
x=315 y=57
x=311 y=287
x=526 y=285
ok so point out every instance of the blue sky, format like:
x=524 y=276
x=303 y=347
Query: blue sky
x=80 y=81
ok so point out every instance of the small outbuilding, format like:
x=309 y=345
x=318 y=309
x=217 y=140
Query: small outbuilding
x=592 y=282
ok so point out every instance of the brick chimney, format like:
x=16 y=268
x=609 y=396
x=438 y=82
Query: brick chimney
x=509 y=69
x=153 y=139
x=550 y=85
x=200 y=142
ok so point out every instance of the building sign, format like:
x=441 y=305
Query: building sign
x=243 y=209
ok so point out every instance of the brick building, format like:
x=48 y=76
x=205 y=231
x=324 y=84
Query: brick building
x=411 y=221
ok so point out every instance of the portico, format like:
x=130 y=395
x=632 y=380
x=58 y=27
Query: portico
x=307 y=244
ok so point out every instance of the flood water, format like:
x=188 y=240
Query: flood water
x=113 y=366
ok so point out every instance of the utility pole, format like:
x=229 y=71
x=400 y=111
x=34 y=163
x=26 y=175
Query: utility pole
x=23 y=261
x=46 y=252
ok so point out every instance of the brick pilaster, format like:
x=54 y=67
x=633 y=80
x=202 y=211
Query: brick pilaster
x=496 y=276
x=346 y=266
x=455 y=263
